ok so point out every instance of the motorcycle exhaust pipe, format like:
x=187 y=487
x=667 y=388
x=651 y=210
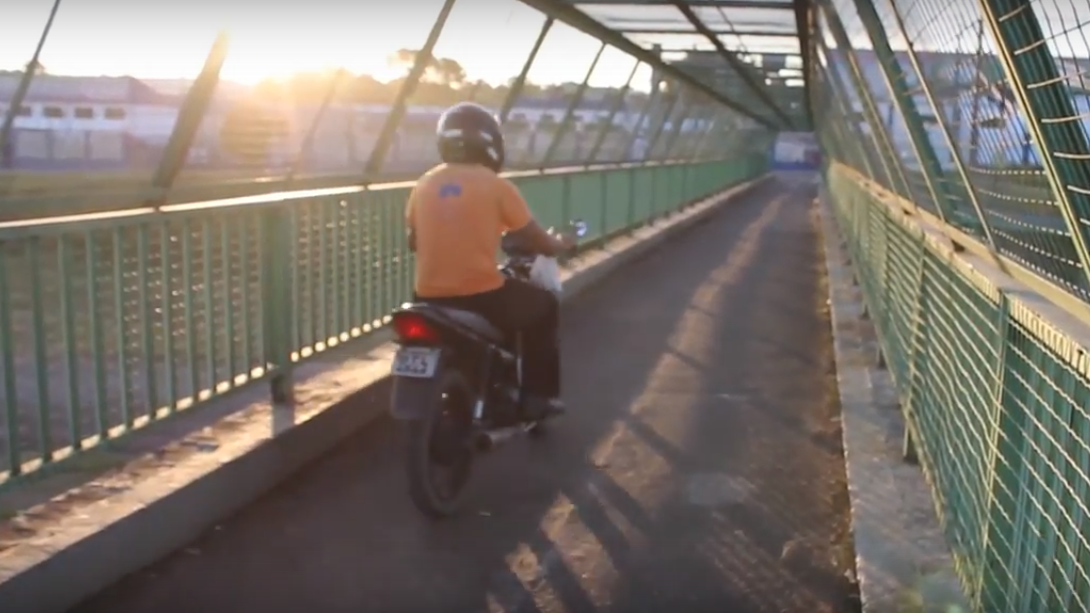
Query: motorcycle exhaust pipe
x=491 y=439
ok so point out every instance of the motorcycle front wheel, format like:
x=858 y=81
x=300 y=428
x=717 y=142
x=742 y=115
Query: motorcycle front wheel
x=440 y=451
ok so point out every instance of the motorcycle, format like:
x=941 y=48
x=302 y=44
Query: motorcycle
x=457 y=385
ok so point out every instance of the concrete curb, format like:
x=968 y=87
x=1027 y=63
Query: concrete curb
x=98 y=545
x=903 y=564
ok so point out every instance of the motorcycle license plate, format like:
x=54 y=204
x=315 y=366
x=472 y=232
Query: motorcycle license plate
x=416 y=362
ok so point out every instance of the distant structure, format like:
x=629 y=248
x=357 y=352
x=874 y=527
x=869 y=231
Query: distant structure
x=90 y=124
x=85 y=123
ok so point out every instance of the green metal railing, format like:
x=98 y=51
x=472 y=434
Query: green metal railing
x=954 y=127
x=108 y=324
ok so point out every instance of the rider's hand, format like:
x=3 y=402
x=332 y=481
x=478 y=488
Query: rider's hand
x=568 y=240
x=565 y=240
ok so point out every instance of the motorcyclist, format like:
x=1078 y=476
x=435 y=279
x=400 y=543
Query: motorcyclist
x=455 y=217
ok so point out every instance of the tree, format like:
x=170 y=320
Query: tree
x=440 y=70
x=444 y=83
x=449 y=72
x=251 y=130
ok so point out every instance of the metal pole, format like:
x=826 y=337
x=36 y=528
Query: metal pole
x=676 y=126
x=657 y=132
x=876 y=142
x=423 y=58
x=715 y=144
x=577 y=97
x=21 y=90
x=1043 y=96
x=713 y=127
x=638 y=126
x=520 y=81
x=570 y=111
x=618 y=104
x=841 y=111
x=974 y=127
x=675 y=148
x=870 y=109
x=708 y=121
x=899 y=88
x=190 y=116
x=308 y=139
x=666 y=116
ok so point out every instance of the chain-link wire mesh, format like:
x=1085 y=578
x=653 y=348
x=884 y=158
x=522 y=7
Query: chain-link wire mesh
x=981 y=109
x=980 y=127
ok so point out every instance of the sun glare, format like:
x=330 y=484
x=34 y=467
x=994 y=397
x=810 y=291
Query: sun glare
x=170 y=41
x=251 y=61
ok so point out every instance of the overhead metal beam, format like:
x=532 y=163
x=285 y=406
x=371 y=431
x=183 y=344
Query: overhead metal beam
x=727 y=4
x=567 y=13
x=744 y=70
x=668 y=32
x=803 y=26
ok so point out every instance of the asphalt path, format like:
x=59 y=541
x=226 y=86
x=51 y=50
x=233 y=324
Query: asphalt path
x=699 y=467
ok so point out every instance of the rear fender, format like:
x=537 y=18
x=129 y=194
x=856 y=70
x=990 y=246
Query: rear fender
x=412 y=398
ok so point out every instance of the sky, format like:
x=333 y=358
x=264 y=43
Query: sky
x=170 y=38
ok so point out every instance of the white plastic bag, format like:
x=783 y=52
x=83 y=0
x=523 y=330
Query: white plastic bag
x=545 y=273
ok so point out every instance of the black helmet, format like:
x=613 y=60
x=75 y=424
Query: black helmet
x=469 y=134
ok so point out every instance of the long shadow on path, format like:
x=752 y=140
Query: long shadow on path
x=686 y=474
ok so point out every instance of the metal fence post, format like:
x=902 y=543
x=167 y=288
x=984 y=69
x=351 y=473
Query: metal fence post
x=277 y=309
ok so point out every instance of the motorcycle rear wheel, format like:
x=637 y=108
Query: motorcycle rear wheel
x=439 y=446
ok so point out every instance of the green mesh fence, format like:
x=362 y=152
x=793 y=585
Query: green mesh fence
x=970 y=119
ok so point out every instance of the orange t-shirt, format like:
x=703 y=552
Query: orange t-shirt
x=458 y=212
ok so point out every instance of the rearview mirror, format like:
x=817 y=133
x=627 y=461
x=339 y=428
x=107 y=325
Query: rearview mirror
x=580 y=228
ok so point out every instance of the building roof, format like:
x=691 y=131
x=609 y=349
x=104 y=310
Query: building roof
x=81 y=89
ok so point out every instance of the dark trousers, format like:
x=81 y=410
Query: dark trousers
x=519 y=306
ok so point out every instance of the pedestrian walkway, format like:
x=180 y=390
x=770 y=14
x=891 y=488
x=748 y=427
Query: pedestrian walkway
x=699 y=468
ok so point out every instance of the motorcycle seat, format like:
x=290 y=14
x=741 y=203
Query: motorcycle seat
x=474 y=322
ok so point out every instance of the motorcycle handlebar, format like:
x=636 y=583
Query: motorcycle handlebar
x=511 y=245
